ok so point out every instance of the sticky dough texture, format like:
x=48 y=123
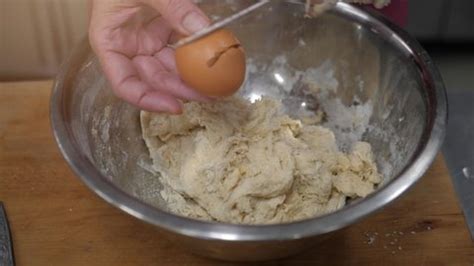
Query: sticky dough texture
x=233 y=161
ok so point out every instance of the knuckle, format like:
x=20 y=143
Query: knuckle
x=177 y=7
x=139 y=100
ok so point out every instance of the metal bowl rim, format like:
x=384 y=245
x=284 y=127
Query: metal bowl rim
x=437 y=112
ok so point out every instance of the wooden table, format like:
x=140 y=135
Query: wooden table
x=56 y=220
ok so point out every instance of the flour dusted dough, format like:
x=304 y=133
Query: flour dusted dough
x=237 y=162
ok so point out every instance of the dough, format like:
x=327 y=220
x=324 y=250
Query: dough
x=238 y=162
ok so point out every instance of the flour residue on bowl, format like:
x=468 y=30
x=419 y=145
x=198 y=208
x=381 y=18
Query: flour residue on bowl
x=101 y=133
x=314 y=91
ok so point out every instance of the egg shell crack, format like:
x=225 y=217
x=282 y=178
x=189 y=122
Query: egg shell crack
x=211 y=62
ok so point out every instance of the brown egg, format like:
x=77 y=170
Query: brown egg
x=213 y=65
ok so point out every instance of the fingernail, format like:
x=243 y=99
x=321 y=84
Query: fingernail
x=194 y=22
x=177 y=110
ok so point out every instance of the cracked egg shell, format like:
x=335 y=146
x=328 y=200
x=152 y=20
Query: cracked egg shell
x=213 y=65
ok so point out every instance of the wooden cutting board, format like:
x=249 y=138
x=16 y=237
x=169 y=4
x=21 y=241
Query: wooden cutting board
x=56 y=220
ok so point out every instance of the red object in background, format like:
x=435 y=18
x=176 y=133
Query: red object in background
x=397 y=11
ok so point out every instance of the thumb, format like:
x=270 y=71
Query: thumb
x=182 y=15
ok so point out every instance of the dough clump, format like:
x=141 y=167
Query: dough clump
x=250 y=163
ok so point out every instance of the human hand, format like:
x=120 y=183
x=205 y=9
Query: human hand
x=130 y=38
x=396 y=10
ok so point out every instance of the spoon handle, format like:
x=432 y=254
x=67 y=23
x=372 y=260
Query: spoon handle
x=220 y=24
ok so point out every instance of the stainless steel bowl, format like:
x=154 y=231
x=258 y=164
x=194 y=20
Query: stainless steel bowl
x=376 y=65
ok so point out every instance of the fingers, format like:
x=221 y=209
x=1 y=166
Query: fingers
x=156 y=33
x=140 y=69
x=167 y=58
x=397 y=11
x=182 y=15
x=156 y=101
x=175 y=36
x=127 y=84
x=105 y=29
x=152 y=71
x=116 y=27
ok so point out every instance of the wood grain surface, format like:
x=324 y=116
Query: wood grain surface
x=56 y=220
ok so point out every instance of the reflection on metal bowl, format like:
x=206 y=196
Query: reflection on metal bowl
x=370 y=62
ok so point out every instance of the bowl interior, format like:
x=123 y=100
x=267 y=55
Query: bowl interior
x=369 y=88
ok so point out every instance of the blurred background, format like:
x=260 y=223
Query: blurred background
x=446 y=30
x=36 y=36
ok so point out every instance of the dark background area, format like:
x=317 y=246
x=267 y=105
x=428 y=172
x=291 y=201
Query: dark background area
x=446 y=29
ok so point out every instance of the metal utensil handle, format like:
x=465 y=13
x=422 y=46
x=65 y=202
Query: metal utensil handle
x=6 y=246
x=220 y=24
